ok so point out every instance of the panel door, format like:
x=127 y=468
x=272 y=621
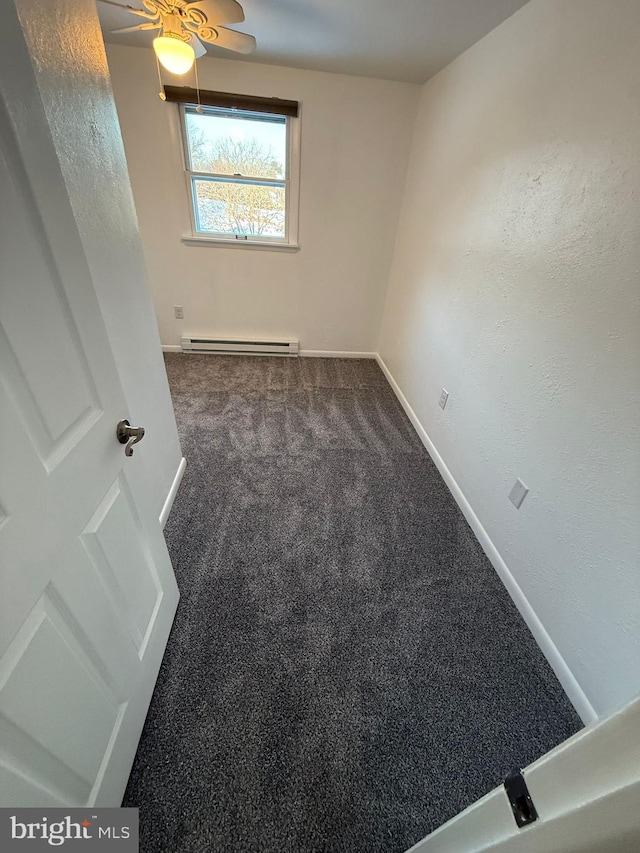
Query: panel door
x=87 y=591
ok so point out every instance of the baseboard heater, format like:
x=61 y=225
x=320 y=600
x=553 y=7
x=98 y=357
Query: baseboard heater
x=237 y=346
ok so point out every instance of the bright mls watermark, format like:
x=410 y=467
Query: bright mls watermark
x=86 y=829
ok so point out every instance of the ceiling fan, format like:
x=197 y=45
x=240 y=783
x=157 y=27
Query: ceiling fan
x=184 y=25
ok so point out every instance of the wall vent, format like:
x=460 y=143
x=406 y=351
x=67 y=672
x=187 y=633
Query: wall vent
x=240 y=346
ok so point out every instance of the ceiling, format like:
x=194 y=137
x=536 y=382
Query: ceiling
x=409 y=40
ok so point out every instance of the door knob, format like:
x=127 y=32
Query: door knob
x=126 y=433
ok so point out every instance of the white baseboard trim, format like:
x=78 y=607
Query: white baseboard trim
x=544 y=641
x=166 y=509
x=320 y=353
x=307 y=353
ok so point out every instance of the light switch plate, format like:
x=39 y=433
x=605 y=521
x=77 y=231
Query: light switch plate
x=518 y=493
x=443 y=398
x=178 y=312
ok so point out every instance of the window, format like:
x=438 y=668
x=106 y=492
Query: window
x=242 y=175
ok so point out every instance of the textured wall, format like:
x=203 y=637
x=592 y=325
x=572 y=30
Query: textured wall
x=355 y=142
x=74 y=80
x=515 y=285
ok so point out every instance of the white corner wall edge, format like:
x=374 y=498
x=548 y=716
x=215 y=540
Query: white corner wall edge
x=166 y=509
x=542 y=638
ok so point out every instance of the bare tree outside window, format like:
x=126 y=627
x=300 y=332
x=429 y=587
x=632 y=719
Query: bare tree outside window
x=254 y=207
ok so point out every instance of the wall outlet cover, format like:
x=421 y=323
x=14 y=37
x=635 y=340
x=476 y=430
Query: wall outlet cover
x=518 y=493
x=178 y=311
x=443 y=398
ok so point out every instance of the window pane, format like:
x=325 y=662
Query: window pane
x=227 y=207
x=247 y=144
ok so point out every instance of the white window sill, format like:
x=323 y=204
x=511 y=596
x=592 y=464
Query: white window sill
x=264 y=245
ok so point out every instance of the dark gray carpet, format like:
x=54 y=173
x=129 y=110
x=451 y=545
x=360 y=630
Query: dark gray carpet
x=346 y=671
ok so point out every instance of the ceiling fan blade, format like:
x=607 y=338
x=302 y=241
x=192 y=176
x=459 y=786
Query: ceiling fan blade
x=231 y=40
x=197 y=45
x=218 y=11
x=147 y=26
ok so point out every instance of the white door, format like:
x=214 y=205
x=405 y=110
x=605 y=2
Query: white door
x=586 y=792
x=87 y=591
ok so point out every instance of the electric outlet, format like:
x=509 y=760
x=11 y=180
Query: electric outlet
x=178 y=311
x=443 y=398
x=518 y=493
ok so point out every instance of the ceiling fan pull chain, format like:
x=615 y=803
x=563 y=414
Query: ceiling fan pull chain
x=161 y=93
x=195 y=68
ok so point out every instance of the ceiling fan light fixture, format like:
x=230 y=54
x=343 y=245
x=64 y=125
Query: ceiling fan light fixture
x=174 y=54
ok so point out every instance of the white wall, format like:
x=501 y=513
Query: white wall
x=75 y=85
x=356 y=135
x=515 y=285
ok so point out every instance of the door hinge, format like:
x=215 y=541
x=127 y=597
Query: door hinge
x=519 y=798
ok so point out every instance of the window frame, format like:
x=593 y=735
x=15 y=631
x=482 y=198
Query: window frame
x=290 y=181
